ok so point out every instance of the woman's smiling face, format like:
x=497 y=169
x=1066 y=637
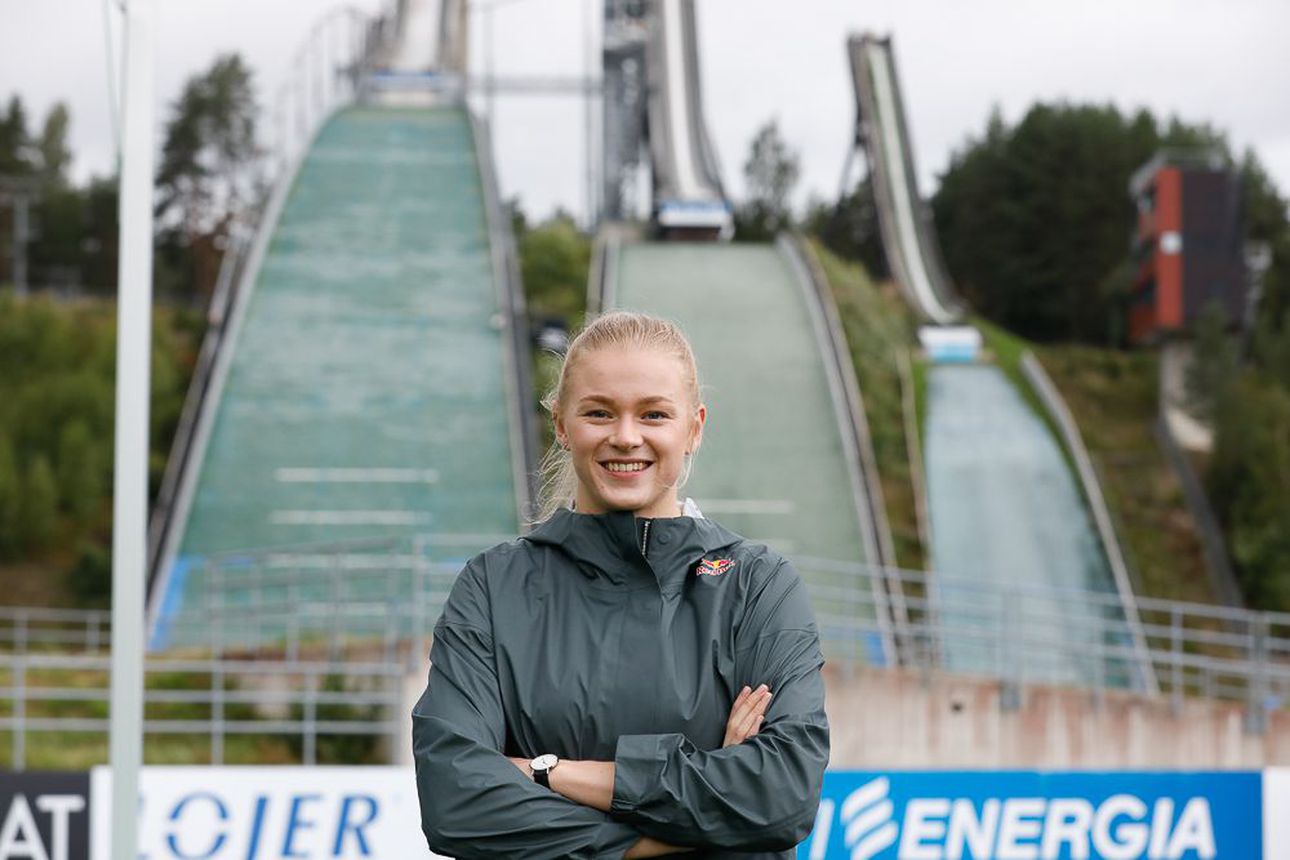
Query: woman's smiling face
x=628 y=419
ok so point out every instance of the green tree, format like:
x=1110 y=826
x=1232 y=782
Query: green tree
x=850 y=229
x=206 y=175
x=15 y=143
x=1250 y=484
x=209 y=147
x=771 y=172
x=555 y=258
x=55 y=155
x=1213 y=361
x=1035 y=219
x=10 y=501
x=81 y=477
x=39 y=511
x=99 y=237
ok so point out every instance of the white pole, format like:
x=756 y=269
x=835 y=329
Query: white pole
x=130 y=496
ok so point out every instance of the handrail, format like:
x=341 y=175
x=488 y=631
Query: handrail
x=1024 y=633
x=1058 y=411
x=181 y=447
x=1028 y=627
x=853 y=425
x=281 y=697
x=517 y=365
x=854 y=398
x=317 y=90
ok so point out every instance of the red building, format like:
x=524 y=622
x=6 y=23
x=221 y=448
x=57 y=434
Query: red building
x=1188 y=245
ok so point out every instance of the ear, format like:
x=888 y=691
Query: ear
x=696 y=429
x=557 y=420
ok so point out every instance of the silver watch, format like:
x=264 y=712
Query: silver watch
x=542 y=767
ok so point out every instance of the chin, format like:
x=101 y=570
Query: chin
x=627 y=501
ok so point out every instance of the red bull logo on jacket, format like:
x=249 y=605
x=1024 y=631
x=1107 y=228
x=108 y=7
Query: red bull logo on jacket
x=714 y=567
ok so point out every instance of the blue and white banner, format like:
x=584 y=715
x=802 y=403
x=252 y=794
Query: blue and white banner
x=268 y=813
x=275 y=813
x=1038 y=815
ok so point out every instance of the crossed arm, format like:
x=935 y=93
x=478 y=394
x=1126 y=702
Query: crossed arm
x=660 y=794
x=591 y=783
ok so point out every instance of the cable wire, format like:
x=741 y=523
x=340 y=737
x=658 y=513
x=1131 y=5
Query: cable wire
x=114 y=116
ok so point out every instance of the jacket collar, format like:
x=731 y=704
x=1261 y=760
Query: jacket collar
x=605 y=542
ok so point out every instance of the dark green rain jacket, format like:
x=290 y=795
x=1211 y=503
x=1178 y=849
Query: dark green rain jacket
x=603 y=637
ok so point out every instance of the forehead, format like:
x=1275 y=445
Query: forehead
x=627 y=374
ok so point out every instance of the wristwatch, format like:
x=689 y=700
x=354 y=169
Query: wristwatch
x=542 y=767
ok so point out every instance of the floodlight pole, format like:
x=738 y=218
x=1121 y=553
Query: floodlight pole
x=130 y=476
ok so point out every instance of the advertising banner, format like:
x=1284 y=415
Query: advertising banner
x=44 y=815
x=266 y=813
x=1036 y=815
x=1276 y=813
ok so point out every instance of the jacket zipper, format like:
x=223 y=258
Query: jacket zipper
x=645 y=538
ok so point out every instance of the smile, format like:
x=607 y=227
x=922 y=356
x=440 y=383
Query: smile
x=626 y=467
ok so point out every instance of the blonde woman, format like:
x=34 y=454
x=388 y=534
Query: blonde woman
x=629 y=679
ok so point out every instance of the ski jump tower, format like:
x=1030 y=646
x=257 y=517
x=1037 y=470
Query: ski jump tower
x=653 y=99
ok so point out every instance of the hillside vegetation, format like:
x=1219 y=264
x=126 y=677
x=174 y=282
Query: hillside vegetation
x=57 y=398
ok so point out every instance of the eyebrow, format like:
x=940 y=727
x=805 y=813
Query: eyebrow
x=600 y=398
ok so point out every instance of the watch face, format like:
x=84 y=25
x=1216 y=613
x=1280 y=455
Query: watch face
x=544 y=762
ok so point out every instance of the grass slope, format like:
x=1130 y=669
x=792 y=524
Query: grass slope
x=1112 y=395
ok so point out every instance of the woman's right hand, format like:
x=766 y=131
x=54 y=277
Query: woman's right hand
x=746 y=714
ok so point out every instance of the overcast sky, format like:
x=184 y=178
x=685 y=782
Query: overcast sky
x=1221 y=61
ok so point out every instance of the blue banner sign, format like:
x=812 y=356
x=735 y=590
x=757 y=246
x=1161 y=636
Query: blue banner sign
x=1038 y=815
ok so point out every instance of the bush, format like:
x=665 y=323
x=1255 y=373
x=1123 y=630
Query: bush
x=90 y=580
x=10 y=502
x=39 y=508
x=81 y=477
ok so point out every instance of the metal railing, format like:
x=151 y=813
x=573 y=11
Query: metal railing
x=285 y=639
x=376 y=596
x=32 y=629
x=328 y=70
x=306 y=700
x=380 y=595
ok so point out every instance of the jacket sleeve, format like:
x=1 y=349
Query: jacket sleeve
x=762 y=794
x=474 y=802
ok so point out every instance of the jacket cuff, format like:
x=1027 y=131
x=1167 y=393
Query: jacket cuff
x=638 y=768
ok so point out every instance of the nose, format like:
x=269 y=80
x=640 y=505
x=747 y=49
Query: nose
x=626 y=434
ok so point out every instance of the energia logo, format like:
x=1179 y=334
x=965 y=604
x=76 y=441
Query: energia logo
x=867 y=817
x=1120 y=827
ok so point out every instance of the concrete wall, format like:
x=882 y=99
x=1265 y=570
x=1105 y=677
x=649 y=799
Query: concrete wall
x=883 y=718
x=890 y=718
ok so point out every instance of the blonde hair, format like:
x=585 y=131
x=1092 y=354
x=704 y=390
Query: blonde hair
x=617 y=329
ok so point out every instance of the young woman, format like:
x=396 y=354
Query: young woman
x=629 y=679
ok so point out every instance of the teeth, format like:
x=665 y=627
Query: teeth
x=625 y=467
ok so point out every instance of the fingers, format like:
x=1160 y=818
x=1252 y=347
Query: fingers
x=755 y=709
x=747 y=714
